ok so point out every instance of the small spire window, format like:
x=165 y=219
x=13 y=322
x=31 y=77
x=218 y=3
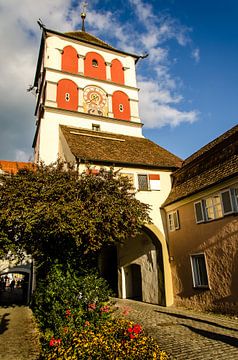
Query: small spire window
x=94 y=63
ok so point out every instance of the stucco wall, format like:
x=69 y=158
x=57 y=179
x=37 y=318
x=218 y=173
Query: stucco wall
x=140 y=251
x=218 y=240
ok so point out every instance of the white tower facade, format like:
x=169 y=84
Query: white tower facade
x=83 y=82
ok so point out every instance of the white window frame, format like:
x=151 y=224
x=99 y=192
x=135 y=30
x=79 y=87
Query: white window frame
x=171 y=224
x=194 y=269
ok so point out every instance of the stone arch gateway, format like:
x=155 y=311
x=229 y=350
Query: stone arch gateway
x=143 y=268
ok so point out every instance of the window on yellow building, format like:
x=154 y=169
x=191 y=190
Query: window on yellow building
x=216 y=206
x=199 y=270
x=173 y=221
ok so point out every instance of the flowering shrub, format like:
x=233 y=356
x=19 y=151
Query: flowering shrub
x=112 y=339
x=65 y=299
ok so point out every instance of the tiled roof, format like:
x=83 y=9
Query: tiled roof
x=220 y=139
x=105 y=147
x=212 y=164
x=83 y=35
x=12 y=167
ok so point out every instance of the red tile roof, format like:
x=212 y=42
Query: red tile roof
x=12 y=167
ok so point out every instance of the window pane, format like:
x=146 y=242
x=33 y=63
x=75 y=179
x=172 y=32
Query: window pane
x=198 y=211
x=142 y=182
x=226 y=201
x=176 y=222
x=199 y=270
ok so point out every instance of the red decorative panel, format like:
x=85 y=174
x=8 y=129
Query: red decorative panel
x=69 y=60
x=94 y=66
x=117 y=72
x=67 y=95
x=154 y=177
x=121 y=106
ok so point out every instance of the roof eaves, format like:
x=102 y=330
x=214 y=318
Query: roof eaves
x=88 y=42
x=198 y=190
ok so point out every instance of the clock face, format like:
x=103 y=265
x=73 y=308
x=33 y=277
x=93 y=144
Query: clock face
x=95 y=101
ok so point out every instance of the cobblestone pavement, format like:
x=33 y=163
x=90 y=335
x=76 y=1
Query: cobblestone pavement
x=18 y=335
x=185 y=334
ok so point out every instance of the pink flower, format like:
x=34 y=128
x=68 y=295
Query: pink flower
x=105 y=309
x=87 y=323
x=91 y=307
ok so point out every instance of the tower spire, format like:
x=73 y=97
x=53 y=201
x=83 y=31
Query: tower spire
x=83 y=14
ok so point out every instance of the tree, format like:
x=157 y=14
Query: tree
x=54 y=214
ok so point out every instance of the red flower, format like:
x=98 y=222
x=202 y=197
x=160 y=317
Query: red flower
x=105 y=309
x=130 y=330
x=137 y=329
x=132 y=336
x=54 y=342
x=91 y=307
x=67 y=313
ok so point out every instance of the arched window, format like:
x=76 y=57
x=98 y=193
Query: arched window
x=94 y=66
x=67 y=95
x=117 y=72
x=121 y=106
x=69 y=60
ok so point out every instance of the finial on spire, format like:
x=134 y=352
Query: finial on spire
x=83 y=14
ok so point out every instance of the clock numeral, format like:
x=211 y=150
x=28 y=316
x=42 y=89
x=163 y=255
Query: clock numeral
x=67 y=97
x=121 y=107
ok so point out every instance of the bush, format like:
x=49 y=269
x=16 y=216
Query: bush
x=65 y=296
x=112 y=339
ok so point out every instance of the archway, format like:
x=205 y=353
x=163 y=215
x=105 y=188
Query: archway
x=144 y=268
x=22 y=276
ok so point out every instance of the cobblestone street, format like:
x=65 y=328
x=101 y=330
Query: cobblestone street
x=186 y=335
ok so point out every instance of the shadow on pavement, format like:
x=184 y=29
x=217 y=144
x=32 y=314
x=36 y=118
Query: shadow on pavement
x=4 y=323
x=213 y=323
x=214 y=336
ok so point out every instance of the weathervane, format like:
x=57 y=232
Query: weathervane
x=83 y=14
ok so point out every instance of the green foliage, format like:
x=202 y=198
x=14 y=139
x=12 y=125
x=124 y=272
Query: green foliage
x=65 y=299
x=107 y=340
x=53 y=213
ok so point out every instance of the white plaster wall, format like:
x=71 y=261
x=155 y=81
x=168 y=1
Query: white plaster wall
x=154 y=198
x=49 y=130
x=55 y=45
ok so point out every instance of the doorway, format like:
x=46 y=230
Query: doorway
x=133 y=282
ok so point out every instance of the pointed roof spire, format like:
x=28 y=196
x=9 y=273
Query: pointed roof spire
x=83 y=14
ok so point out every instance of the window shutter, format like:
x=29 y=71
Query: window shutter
x=199 y=212
x=176 y=220
x=154 y=182
x=226 y=202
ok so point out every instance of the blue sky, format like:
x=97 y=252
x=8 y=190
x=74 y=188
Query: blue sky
x=188 y=84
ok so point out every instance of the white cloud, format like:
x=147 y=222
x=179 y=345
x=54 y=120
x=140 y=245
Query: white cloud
x=156 y=107
x=196 y=55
